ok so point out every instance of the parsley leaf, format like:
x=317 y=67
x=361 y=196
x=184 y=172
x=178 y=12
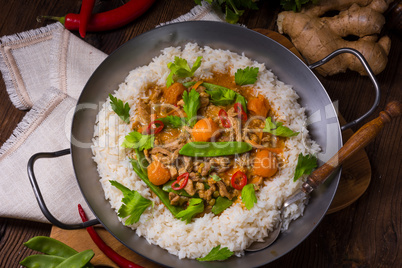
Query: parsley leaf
x=136 y=140
x=246 y=76
x=277 y=129
x=216 y=177
x=305 y=165
x=221 y=96
x=195 y=206
x=191 y=105
x=248 y=196
x=221 y=204
x=173 y=121
x=122 y=110
x=181 y=68
x=295 y=5
x=134 y=204
x=217 y=254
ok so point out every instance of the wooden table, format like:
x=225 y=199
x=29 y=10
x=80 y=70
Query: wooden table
x=367 y=233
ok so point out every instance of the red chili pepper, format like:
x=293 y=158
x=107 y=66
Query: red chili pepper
x=223 y=115
x=239 y=180
x=108 y=20
x=155 y=130
x=109 y=252
x=181 y=181
x=85 y=15
x=239 y=109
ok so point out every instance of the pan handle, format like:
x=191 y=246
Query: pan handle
x=369 y=72
x=39 y=197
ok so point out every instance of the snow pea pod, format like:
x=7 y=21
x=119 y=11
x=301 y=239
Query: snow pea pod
x=41 y=261
x=78 y=260
x=211 y=149
x=50 y=246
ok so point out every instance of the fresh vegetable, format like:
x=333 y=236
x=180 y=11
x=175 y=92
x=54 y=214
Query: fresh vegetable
x=204 y=130
x=108 y=251
x=258 y=106
x=136 y=140
x=216 y=177
x=173 y=121
x=217 y=254
x=246 y=76
x=296 y=5
x=108 y=20
x=221 y=204
x=181 y=68
x=133 y=204
x=248 y=196
x=181 y=181
x=265 y=164
x=85 y=15
x=155 y=127
x=173 y=93
x=120 y=108
x=305 y=165
x=239 y=109
x=58 y=254
x=40 y=260
x=220 y=95
x=211 y=149
x=78 y=260
x=191 y=105
x=158 y=174
x=223 y=116
x=277 y=129
x=138 y=166
x=316 y=35
x=195 y=206
x=50 y=246
x=233 y=8
x=167 y=187
x=238 y=180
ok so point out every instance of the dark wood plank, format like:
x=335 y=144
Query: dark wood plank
x=367 y=233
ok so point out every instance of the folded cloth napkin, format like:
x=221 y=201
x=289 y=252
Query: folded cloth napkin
x=45 y=71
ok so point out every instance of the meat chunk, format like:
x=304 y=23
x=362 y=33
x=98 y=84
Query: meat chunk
x=189 y=188
x=143 y=114
x=174 y=199
x=223 y=191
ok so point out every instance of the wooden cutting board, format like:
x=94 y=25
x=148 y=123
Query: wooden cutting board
x=355 y=179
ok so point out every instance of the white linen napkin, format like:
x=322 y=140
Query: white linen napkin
x=45 y=71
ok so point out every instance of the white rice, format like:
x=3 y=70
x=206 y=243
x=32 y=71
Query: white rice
x=237 y=227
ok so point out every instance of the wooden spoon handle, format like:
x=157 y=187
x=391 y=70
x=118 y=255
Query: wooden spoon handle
x=358 y=141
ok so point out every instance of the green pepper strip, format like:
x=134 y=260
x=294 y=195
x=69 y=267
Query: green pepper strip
x=211 y=149
x=41 y=260
x=139 y=167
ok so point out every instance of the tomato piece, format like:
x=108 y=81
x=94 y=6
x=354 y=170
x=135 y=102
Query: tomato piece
x=239 y=180
x=153 y=129
x=223 y=116
x=181 y=181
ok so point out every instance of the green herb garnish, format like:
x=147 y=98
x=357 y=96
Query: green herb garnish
x=167 y=187
x=136 y=140
x=173 y=121
x=221 y=96
x=248 y=196
x=217 y=254
x=133 y=204
x=277 y=129
x=191 y=105
x=120 y=108
x=181 y=68
x=195 y=206
x=246 y=76
x=296 y=5
x=305 y=165
x=216 y=177
x=221 y=204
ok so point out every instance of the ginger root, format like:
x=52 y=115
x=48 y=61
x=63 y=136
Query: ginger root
x=316 y=36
